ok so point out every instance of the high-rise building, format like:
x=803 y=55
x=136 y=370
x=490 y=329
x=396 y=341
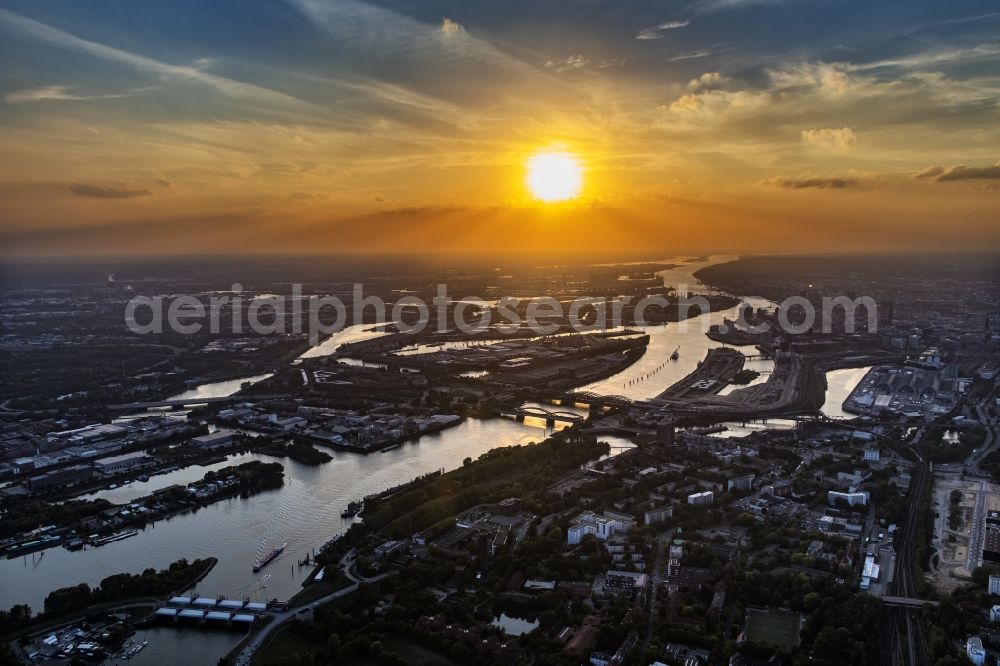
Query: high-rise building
x=974 y=649
x=665 y=431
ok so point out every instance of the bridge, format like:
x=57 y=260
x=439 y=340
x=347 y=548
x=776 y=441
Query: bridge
x=597 y=399
x=132 y=406
x=187 y=402
x=907 y=602
x=548 y=415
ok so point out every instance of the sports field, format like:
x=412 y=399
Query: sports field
x=773 y=627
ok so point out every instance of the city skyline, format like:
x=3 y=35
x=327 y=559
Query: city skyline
x=359 y=127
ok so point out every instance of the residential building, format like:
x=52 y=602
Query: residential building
x=658 y=514
x=974 y=650
x=583 y=638
x=701 y=499
x=852 y=498
x=740 y=483
x=603 y=527
x=628 y=583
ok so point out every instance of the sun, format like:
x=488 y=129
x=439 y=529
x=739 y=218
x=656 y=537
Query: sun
x=554 y=176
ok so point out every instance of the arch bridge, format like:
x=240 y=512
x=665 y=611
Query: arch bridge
x=548 y=415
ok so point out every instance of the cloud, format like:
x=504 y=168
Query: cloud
x=416 y=211
x=938 y=58
x=52 y=93
x=713 y=6
x=656 y=31
x=828 y=96
x=575 y=61
x=690 y=56
x=450 y=28
x=385 y=34
x=808 y=182
x=164 y=183
x=108 y=190
x=960 y=172
x=60 y=38
x=613 y=62
x=709 y=81
x=841 y=138
x=929 y=172
x=307 y=196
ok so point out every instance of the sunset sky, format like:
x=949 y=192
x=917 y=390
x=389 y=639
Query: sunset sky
x=168 y=126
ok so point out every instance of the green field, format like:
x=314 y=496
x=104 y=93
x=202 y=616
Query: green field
x=335 y=580
x=414 y=653
x=279 y=646
x=780 y=628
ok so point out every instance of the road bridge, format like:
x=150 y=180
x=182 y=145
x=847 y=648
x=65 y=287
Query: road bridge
x=907 y=602
x=187 y=402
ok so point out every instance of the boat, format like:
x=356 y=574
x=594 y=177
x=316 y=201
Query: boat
x=267 y=559
x=676 y=355
x=353 y=509
x=31 y=546
x=114 y=537
x=135 y=650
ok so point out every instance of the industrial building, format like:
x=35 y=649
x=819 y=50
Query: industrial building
x=123 y=463
x=67 y=476
x=214 y=440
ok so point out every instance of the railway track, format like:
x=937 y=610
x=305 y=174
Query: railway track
x=904 y=642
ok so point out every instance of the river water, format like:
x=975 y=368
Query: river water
x=305 y=512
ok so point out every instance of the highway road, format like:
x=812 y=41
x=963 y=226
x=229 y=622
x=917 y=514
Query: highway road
x=280 y=618
x=986 y=414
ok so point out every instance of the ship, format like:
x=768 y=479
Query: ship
x=267 y=559
x=676 y=355
x=114 y=537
